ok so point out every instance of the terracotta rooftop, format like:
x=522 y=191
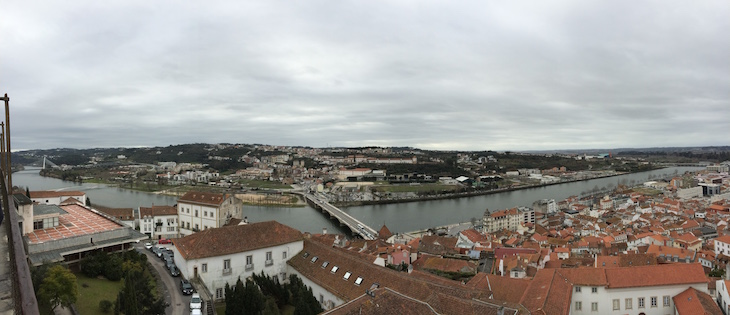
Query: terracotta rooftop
x=235 y=239
x=502 y=288
x=655 y=275
x=78 y=220
x=205 y=198
x=443 y=295
x=550 y=290
x=52 y=194
x=157 y=210
x=694 y=302
x=122 y=214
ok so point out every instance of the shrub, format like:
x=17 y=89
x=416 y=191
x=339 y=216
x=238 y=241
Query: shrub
x=105 y=306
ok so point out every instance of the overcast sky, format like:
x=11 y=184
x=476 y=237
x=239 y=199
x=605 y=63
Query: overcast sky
x=445 y=75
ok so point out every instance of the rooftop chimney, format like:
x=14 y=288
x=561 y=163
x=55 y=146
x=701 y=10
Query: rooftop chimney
x=324 y=231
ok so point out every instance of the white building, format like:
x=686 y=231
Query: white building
x=199 y=211
x=56 y=197
x=221 y=256
x=722 y=245
x=509 y=219
x=159 y=222
x=624 y=290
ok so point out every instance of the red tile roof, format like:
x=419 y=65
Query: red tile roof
x=157 y=210
x=205 y=198
x=77 y=221
x=655 y=275
x=694 y=302
x=443 y=295
x=52 y=194
x=235 y=239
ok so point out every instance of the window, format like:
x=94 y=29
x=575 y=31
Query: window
x=666 y=300
x=227 y=264
x=249 y=262
x=283 y=255
x=196 y=213
x=629 y=303
x=577 y=289
x=347 y=275
x=314 y=259
x=219 y=293
x=616 y=304
x=204 y=268
x=38 y=225
x=269 y=259
x=334 y=269
x=578 y=306
x=653 y=301
x=594 y=306
x=641 y=302
x=205 y=213
x=324 y=264
x=358 y=281
x=594 y=290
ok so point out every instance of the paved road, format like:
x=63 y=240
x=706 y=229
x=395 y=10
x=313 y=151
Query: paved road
x=171 y=285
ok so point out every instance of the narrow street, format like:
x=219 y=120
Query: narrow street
x=171 y=285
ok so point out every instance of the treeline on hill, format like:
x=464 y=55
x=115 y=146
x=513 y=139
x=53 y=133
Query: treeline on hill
x=509 y=161
x=718 y=154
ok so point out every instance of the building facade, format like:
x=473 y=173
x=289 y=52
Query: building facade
x=509 y=219
x=199 y=211
x=220 y=256
x=159 y=222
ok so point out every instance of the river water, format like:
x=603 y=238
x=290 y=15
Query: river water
x=401 y=217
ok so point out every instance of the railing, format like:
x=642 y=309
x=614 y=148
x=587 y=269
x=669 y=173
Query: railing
x=23 y=293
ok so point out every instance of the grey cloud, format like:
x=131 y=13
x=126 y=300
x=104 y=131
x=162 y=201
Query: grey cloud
x=437 y=75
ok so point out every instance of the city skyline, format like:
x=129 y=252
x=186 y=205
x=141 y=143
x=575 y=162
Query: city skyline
x=435 y=76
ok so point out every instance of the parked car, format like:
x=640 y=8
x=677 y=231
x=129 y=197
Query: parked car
x=168 y=259
x=186 y=287
x=196 y=311
x=196 y=302
x=155 y=250
x=148 y=246
x=164 y=241
x=173 y=271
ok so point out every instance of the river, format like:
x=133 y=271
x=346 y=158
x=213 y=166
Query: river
x=399 y=217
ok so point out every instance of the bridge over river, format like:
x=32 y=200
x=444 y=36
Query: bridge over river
x=356 y=226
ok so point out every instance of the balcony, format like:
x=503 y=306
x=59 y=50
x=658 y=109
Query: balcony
x=269 y=262
x=249 y=267
x=227 y=271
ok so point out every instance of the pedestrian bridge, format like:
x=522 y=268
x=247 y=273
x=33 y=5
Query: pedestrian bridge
x=355 y=225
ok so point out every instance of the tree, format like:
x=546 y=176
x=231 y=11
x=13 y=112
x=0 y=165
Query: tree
x=59 y=287
x=253 y=300
x=137 y=296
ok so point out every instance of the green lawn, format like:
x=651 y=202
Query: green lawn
x=415 y=188
x=95 y=291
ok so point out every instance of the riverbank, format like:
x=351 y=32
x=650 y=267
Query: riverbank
x=463 y=194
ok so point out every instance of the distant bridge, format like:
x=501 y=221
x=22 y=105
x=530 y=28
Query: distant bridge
x=47 y=161
x=682 y=164
x=355 y=225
